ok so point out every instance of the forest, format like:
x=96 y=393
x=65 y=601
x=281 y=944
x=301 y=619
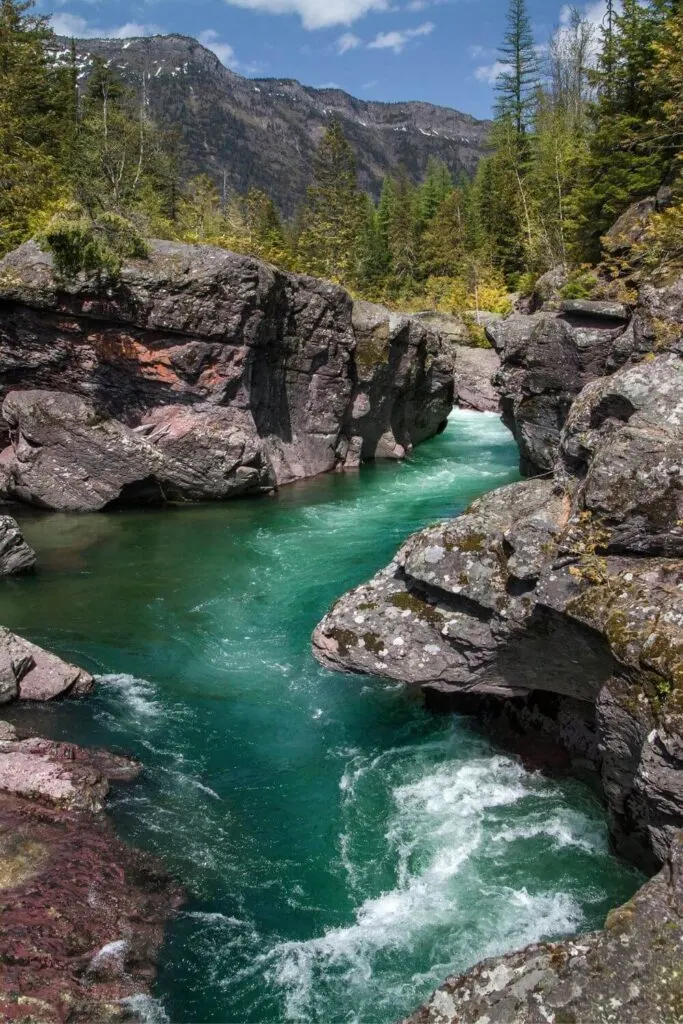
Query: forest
x=584 y=126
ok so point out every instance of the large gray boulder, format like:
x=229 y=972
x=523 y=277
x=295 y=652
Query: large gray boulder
x=15 y=554
x=546 y=360
x=201 y=375
x=474 y=372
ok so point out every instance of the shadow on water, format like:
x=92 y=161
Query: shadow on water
x=344 y=850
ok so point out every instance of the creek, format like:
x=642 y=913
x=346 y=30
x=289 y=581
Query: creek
x=344 y=850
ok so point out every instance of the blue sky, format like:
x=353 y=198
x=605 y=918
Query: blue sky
x=441 y=51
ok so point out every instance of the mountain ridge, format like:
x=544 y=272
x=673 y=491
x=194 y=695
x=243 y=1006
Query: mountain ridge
x=262 y=132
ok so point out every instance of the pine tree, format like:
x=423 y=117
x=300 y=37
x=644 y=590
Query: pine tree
x=331 y=218
x=443 y=243
x=385 y=211
x=622 y=165
x=372 y=262
x=123 y=163
x=517 y=84
x=402 y=232
x=437 y=185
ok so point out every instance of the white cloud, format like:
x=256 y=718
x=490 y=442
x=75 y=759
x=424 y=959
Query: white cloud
x=398 y=40
x=329 y=85
x=477 y=51
x=316 y=13
x=212 y=41
x=73 y=25
x=348 y=42
x=490 y=73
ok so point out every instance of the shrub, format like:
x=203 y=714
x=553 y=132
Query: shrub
x=581 y=284
x=80 y=244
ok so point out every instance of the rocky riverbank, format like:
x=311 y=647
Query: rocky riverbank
x=82 y=915
x=555 y=608
x=201 y=375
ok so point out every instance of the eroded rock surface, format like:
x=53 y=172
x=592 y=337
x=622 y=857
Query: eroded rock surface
x=474 y=371
x=201 y=375
x=15 y=554
x=546 y=360
x=82 y=915
x=27 y=672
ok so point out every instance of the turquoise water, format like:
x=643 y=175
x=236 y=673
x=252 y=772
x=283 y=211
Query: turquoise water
x=343 y=849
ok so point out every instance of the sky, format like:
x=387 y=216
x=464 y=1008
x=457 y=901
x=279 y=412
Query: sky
x=440 y=51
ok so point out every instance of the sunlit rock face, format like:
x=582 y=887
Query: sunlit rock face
x=201 y=375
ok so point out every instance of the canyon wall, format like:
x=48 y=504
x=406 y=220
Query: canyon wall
x=200 y=375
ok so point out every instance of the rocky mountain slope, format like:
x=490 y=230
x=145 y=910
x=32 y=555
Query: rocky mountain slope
x=263 y=132
x=200 y=375
x=553 y=608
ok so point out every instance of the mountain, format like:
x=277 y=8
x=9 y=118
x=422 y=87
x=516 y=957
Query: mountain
x=262 y=132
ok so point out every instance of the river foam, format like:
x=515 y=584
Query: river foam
x=438 y=840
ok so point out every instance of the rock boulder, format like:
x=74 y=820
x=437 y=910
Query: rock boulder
x=555 y=606
x=15 y=554
x=27 y=672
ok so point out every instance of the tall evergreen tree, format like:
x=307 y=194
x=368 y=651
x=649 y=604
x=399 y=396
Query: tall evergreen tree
x=622 y=165
x=517 y=84
x=402 y=231
x=331 y=220
x=437 y=185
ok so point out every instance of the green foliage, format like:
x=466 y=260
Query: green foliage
x=623 y=163
x=82 y=245
x=332 y=214
x=517 y=84
x=580 y=285
x=568 y=152
x=30 y=120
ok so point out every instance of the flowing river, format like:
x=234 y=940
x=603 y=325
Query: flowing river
x=344 y=850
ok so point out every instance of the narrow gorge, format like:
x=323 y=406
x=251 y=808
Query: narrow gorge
x=340 y=848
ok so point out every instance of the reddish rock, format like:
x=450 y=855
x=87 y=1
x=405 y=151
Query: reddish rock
x=81 y=916
x=61 y=774
x=27 y=672
x=15 y=554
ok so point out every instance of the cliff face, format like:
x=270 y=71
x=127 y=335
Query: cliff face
x=263 y=133
x=556 y=606
x=200 y=375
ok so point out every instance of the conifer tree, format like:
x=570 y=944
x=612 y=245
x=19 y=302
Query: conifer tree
x=443 y=243
x=385 y=212
x=516 y=85
x=436 y=186
x=331 y=219
x=402 y=231
x=622 y=164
